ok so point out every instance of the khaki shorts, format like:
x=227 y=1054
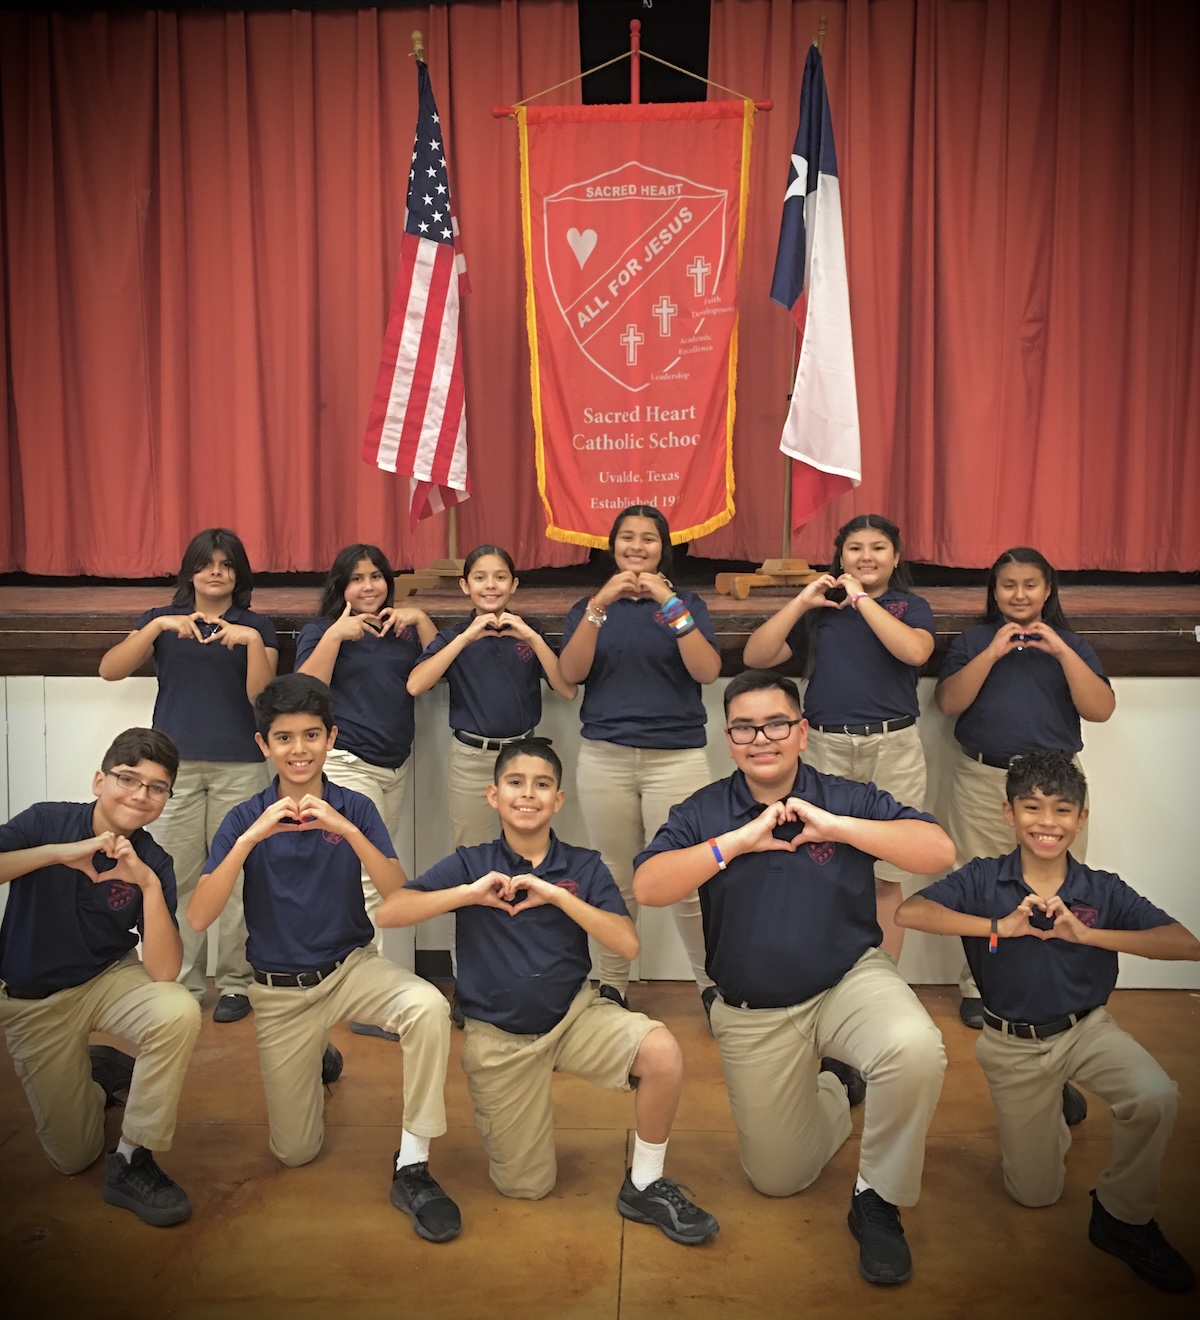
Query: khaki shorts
x=509 y=1078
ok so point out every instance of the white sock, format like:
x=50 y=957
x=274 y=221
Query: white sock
x=413 y=1149
x=126 y=1148
x=861 y=1185
x=648 y=1160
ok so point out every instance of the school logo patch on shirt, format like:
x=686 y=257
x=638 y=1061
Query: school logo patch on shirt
x=330 y=837
x=821 y=852
x=120 y=894
x=524 y=651
x=1087 y=916
x=407 y=632
x=571 y=886
x=897 y=608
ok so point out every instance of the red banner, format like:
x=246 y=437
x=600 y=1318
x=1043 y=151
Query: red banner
x=633 y=219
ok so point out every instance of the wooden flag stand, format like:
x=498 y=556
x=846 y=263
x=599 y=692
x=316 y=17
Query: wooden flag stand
x=773 y=573
x=440 y=573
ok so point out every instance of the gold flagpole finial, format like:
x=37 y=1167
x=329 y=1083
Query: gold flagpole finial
x=418 y=42
x=820 y=43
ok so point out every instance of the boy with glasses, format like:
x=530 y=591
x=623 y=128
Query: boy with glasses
x=784 y=860
x=85 y=882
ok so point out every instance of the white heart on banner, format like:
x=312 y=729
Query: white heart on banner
x=582 y=244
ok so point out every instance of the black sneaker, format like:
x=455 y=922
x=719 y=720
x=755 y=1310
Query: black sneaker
x=970 y=1013
x=883 y=1255
x=331 y=1065
x=1142 y=1247
x=612 y=993
x=435 y=1216
x=850 y=1078
x=138 y=1184
x=664 y=1205
x=231 y=1008
x=370 y=1029
x=113 y=1069
x=1074 y=1105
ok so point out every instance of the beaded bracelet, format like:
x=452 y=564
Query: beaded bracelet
x=594 y=614
x=855 y=599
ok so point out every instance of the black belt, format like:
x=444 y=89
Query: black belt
x=13 y=993
x=292 y=980
x=863 y=730
x=1035 y=1030
x=996 y=762
x=749 y=1003
x=488 y=744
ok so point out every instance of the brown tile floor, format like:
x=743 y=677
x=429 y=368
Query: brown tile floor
x=323 y=1242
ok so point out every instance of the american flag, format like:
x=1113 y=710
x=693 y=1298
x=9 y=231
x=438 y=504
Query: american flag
x=418 y=423
x=821 y=430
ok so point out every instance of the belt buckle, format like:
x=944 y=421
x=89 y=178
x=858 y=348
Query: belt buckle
x=308 y=979
x=846 y=730
x=1024 y=1030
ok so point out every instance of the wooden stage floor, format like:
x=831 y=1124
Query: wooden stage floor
x=323 y=1242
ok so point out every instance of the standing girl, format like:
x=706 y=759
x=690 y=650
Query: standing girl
x=865 y=636
x=213 y=655
x=494 y=662
x=642 y=651
x=1018 y=682
x=364 y=649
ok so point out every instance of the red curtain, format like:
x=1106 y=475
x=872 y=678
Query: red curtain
x=201 y=222
x=200 y=218
x=1021 y=186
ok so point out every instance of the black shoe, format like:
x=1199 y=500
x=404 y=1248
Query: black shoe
x=612 y=993
x=664 y=1205
x=113 y=1069
x=456 y=1013
x=370 y=1029
x=970 y=1013
x=1074 y=1106
x=331 y=1065
x=138 y=1184
x=707 y=995
x=850 y=1078
x=1142 y=1247
x=435 y=1216
x=231 y=1008
x=883 y=1255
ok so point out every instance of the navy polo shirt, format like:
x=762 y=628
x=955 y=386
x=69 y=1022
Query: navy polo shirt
x=781 y=927
x=521 y=973
x=202 y=700
x=371 y=704
x=495 y=682
x=1032 y=980
x=1025 y=702
x=639 y=692
x=302 y=892
x=855 y=678
x=59 y=928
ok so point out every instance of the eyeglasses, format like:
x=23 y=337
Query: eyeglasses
x=131 y=783
x=776 y=731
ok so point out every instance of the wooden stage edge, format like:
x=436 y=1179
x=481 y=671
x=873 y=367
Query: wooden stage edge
x=1137 y=631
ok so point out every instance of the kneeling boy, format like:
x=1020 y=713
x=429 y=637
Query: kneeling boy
x=85 y=881
x=1042 y=933
x=303 y=843
x=525 y=905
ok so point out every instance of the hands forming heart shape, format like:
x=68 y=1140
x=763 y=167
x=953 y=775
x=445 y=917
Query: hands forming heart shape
x=90 y=856
x=511 y=893
x=816 y=826
x=1045 y=919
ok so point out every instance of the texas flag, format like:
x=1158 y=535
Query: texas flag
x=821 y=431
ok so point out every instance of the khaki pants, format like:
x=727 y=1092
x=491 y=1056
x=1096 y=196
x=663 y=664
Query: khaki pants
x=472 y=818
x=293 y=1026
x=386 y=790
x=509 y=1078
x=1026 y=1079
x=625 y=794
x=205 y=792
x=791 y=1119
x=976 y=824
x=894 y=762
x=48 y=1040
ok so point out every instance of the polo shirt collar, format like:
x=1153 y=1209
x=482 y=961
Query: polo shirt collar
x=748 y=805
x=551 y=859
x=1011 y=873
